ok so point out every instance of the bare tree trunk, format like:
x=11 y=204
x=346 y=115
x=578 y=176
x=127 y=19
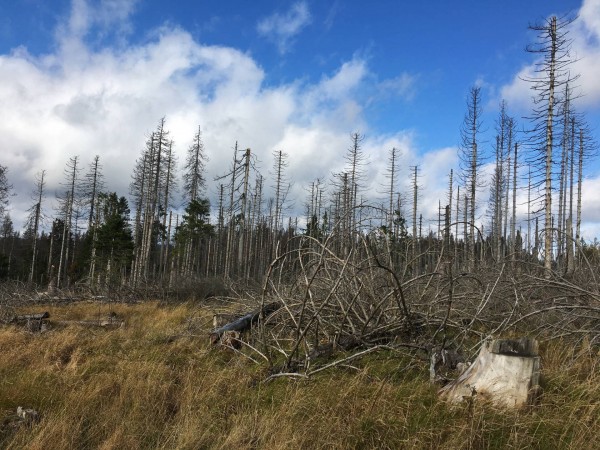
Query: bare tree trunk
x=50 y=272
x=579 y=183
x=230 y=224
x=456 y=238
x=137 y=230
x=562 y=198
x=450 y=195
x=392 y=175
x=508 y=180
x=414 y=216
x=497 y=228
x=92 y=272
x=167 y=249
x=244 y=212
x=152 y=211
x=536 y=250
x=94 y=185
x=505 y=196
x=64 y=249
x=529 y=211
x=36 y=223
x=220 y=224
x=549 y=146
x=513 y=222
x=465 y=232
x=164 y=248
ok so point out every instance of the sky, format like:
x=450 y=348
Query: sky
x=89 y=78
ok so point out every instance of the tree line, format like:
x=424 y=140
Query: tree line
x=101 y=238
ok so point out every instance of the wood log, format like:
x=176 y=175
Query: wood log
x=506 y=372
x=32 y=322
x=245 y=322
x=221 y=319
x=27 y=317
x=92 y=323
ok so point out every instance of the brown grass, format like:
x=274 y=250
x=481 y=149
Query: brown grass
x=156 y=383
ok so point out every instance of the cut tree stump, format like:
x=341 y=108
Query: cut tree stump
x=245 y=322
x=506 y=372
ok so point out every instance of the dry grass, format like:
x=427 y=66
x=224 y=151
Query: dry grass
x=155 y=383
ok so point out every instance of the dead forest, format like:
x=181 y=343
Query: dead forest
x=351 y=274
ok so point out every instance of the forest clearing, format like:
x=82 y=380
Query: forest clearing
x=140 y=373
x=156 y=383
x=216 y=312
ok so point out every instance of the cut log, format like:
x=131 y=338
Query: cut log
x=27 y=317
x=506 y=372
x=245 y=322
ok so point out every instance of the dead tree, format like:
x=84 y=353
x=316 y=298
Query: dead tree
x=552 y=73
x=67 y=204
x=34 y=220
x=244 y=322
x=471 y=159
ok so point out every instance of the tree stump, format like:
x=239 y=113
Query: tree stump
x=506 y=372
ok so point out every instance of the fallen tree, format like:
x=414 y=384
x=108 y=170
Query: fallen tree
x=32 y=322
x=245 y=322
x=27 y=317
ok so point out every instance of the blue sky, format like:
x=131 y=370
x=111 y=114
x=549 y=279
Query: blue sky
x=94 y=77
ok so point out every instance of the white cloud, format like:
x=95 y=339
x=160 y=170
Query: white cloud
x=106 y=100
x=282 y=28
x=590 y=200
x=104 y=17
x=402 y=86
x=82 y=101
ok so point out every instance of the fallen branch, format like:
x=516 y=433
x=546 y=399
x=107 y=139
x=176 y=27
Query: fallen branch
x=92 y=323
x=27 y=317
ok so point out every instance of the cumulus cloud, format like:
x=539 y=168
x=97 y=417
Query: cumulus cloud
x=106 y=100
x=402 y=86
x=282 y=28
x=84 y=100
x=106 y=17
